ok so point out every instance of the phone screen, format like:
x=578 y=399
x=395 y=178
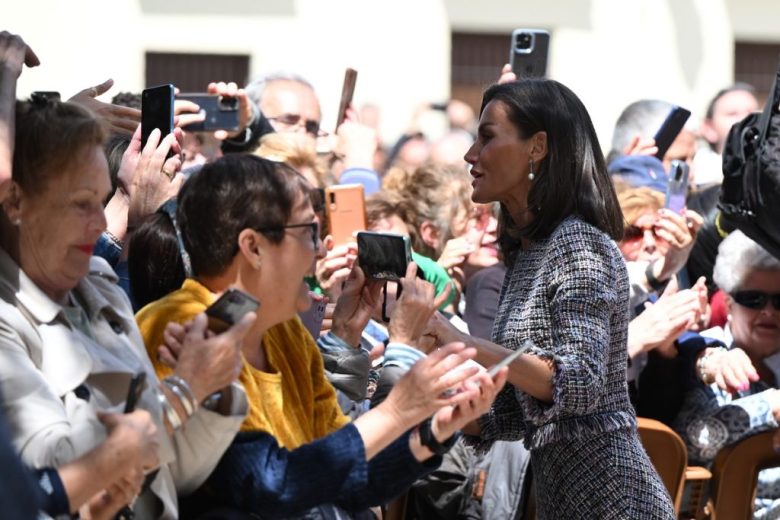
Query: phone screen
x=384 y=256
x=156 y=111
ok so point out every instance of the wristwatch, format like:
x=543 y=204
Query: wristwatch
x=428 y=440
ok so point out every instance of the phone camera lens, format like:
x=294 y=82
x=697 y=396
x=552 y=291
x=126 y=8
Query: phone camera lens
x=524 y=41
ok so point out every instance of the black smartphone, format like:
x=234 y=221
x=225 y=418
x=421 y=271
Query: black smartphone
x=528 y=53
x=156 y=111
x=229 y=309
x=220 y=112
x=134 y=391
x=48 y=95
x=384 y=256
x=677 y=189
x=671 y=127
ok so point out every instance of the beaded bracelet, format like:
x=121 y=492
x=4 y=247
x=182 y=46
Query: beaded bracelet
x=701 y=364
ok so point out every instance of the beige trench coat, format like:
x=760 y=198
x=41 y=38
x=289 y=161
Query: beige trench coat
x=45 y=362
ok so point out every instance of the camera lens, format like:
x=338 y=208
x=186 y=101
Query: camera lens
x=523 y=41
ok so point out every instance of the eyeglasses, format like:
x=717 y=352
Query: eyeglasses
x=756 y=299
x=313 y=226
x=633 y=232
x=312 y=127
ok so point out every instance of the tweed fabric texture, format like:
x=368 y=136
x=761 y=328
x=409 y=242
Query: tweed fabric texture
x=568 y=294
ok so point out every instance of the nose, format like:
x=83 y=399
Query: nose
x=471 y=155
x=648 y=241
x=100 y=223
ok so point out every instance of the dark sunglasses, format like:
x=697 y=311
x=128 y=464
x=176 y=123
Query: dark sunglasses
x=312 y=127
x=632 y=232
x=756 y=299
x=313 y=226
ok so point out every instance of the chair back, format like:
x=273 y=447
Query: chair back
x=668 y=454
x=735 y=474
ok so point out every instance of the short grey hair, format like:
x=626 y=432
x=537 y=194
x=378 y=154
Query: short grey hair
x=643 y=117
x=256 y=88
x=738 y=255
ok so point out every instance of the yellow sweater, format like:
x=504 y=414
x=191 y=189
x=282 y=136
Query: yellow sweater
x=294 y=402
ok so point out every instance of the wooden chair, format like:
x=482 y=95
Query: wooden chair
x=668 y=454
x=735 y=474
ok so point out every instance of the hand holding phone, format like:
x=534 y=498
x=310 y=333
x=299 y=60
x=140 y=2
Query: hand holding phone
x=134 y=391
x=384 y=256
x=229 y=308
x=219 y=112
x=345 y=205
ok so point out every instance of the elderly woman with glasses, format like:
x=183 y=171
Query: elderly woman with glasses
x=748 y=364
x=248 y=224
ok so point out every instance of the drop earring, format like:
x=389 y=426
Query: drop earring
x=531 y=170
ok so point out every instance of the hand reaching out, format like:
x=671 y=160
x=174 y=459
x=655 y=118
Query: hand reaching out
x=121 y=120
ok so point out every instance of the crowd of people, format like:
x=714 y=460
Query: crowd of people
x=119 y=397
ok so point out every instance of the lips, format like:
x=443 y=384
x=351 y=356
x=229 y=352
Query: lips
x=87 y=249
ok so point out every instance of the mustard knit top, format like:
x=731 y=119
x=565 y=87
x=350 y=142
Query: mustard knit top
x=294 y=401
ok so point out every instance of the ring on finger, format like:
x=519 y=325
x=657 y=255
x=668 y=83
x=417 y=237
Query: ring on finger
x=168 y=174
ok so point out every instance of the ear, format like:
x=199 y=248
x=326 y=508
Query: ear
x=538 y=145
x=252 y=246
x=12 y=205
x=729 y=301
x=430 y=234
x=707 y=131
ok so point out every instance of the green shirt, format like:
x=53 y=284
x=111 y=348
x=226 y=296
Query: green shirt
x=435 y=274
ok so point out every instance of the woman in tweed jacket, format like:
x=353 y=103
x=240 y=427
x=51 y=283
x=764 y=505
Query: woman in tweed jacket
x=566 y=290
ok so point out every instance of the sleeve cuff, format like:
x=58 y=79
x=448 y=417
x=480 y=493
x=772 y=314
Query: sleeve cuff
x=400 y=355
x=55 y=500
x=332 y=343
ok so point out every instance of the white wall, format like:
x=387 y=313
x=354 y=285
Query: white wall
x=613 y=52
x=400 y=49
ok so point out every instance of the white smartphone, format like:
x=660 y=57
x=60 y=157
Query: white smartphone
x=509 y=358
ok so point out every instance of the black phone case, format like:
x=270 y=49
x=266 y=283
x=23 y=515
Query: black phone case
x=220 y=114
x=670 y=128
x=156 y=111
x=229 y=309
x=530 y=62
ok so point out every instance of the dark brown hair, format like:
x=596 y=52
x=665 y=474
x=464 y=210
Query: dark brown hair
x=572 y=179
x=50 y=137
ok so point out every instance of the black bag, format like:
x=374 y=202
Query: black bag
x=750 y=195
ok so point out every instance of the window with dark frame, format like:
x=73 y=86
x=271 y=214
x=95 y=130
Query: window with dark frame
x=477 y=59
x=193 y=72
x=756 y=64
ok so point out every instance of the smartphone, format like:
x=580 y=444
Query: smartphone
x=313 y=317
x=528 y=53
x=134 y=391
x=345 y=205
x=219 y=112
x=509 y=358
x=384 y=256
x=347 y=91
x=669 y=130
x=48 y=95
x=229 y=309
x=156 y=111
x=677 y=189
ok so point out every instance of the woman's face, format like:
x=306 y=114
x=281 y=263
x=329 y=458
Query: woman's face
x=282 y=289
x=58 y=228
x=499 y=160
x=756 y=330
x=640 y=242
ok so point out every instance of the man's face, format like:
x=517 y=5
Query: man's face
x=730 y=109
x=291 y=107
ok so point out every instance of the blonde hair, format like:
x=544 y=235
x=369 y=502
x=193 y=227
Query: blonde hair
x=431 y=193
x=296 y=150
x=635 y=202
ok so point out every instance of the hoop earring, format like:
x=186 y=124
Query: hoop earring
x=531 y=170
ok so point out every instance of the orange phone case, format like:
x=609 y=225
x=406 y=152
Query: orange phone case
x=346 y=209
